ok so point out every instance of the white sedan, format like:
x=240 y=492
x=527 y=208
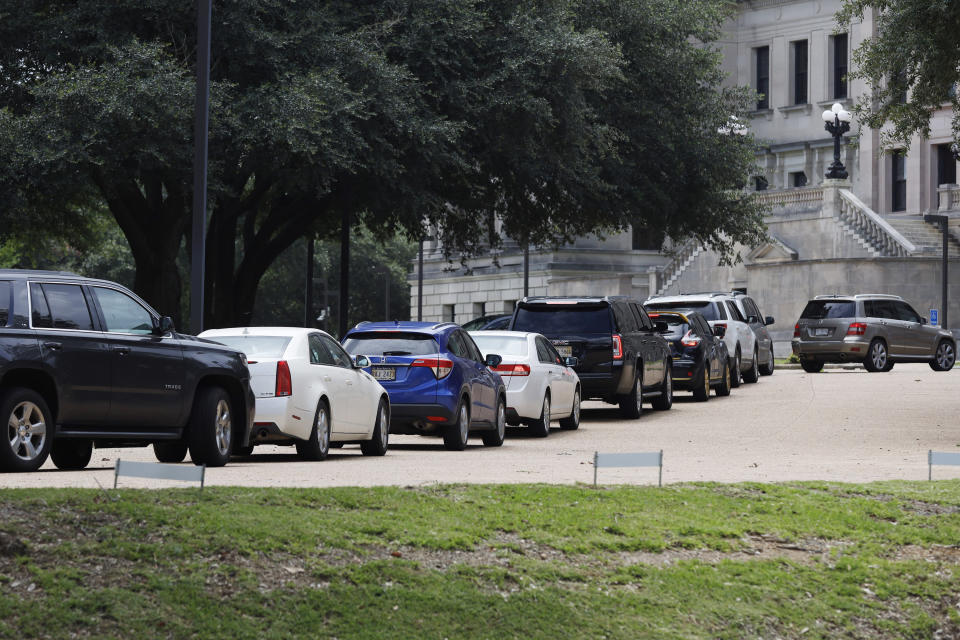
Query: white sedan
x=309 y=391
x=541 y=385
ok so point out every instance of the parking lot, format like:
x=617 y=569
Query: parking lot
x=842 y=424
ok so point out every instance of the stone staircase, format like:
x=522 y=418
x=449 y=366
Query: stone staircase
x=925 y=236
x=682 y=259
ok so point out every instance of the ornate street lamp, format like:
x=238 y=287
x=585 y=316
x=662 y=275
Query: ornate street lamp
x=837 y=121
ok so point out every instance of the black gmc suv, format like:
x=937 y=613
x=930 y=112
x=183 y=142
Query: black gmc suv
x=86 y=363
x=622 y=358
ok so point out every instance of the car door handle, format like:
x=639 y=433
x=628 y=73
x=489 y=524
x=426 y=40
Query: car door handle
x=53 y=346
x=122 y=350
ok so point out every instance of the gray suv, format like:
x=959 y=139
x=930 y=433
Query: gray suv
x=877 y=330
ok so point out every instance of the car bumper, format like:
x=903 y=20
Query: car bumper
x=523 y=402
x=684 y=372
x=846 y=350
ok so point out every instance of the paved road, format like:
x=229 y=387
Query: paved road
x=844 y=425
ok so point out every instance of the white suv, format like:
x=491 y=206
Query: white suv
x=720 y=309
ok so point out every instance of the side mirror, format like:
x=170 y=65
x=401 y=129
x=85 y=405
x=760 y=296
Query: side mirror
x=923 y=320
x=752 y=319
x=661 y=327
x=719 y=331
x=493 y=360
x=571 y=361
x=361 y=362
x=768 y=321
x=163 y=325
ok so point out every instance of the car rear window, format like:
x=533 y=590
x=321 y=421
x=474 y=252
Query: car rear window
x=255 y=346
x=677 y=327
x=822 y=309
x=390 y=343
x=705 y=308
x=550 y=320
x=501 y=345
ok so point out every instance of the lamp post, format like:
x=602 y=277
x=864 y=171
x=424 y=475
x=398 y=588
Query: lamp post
x=943 y=221
x=837 y=122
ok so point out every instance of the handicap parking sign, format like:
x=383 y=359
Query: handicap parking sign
x=933 y=317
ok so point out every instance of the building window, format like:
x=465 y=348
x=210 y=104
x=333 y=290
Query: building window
x=946 y=165
x=646 y=239
x=798 y=179
x=449 y=313
x=898 y=198
x=760 y=183
x=509 y=306
x=799 y=71
x=762 y=85
x=839 y=51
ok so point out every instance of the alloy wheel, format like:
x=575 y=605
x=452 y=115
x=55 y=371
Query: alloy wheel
x=26 y=431
x=223 y=427
x=878 y=355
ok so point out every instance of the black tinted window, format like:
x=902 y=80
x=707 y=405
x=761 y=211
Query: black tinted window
x=122 y=313
x=319 y=353
x=66 y=307
x=4 y=303
x=706 y=309
x=39 y=311
x=557 y=321
x=390 y=343
x=905 y=312
x=821 y=309
x=473 y=352
x=734 y=311
x=677 y=327
x=456 y=347
x=340 y=357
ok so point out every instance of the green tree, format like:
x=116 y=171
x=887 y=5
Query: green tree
x=912 y=64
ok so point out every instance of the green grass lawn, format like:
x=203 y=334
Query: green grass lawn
x=805 y=560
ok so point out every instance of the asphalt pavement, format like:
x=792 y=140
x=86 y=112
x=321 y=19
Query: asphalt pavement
x=838 y=425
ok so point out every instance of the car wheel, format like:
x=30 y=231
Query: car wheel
x=540 y=427
x=71 y=455
x=701 y=392
x=767 y=369
x=29 y=430
x=495 y=437
x=210 y=432
x=735 y=373
x=664 y=401
x=811 y=365
x=318 y=446
x=455 y=435
x=877 y=356
x=377 y=445
x=944 y=357
x=753 y=373
x=572 y=422
x=631 y=404
x=173 y=451
x=723 y=389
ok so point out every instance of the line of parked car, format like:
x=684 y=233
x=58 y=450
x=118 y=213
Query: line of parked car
x=85 y=363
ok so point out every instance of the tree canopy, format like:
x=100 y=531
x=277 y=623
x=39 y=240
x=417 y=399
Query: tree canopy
x=554 y=118
x=912 y=64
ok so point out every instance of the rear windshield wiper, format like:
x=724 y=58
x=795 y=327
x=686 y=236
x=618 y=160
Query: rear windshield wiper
x=396 y=353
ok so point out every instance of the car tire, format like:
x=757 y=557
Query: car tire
x=29 y=434
x=723 y=389
x=753 y=373
x=811 y=365
x=701 y=392
x=540 y=427
x=494 y=437
x=378 y=444
x=572 y=422
x=456 y=434
x=71 y=455
x=210 y=431
x=767 y=368
x=944 y=357
x=664 y=401
x=243 y=452
x=735 y=378
x=171 y=452
x=631 y=404
x=877 y=356
x=318 y=446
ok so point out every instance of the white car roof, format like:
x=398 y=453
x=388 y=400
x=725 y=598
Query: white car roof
x=260 y=331
x=504 y=334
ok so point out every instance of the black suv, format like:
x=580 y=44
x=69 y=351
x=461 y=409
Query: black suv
x=622 y=358
x=86 y=363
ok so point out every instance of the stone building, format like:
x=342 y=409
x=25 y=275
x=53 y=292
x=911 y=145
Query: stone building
x=861 y=235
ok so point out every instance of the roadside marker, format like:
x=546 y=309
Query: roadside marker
x=159 y=471
x=649 y=459
x=940 y=457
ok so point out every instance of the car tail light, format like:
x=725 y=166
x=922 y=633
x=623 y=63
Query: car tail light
x=512 y=369
x=284 y=384
x=857 y=329
x=441 y=368
x=796 y=330
x=617 y=347
x=690 y=340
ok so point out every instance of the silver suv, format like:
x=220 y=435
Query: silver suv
x=877 y=330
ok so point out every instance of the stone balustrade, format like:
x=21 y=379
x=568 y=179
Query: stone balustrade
x=872 y=227
x=781 y=198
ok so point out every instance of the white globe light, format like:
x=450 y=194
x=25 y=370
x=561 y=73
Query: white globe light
x=837 y=107
x=828 y=116
x=845 y=116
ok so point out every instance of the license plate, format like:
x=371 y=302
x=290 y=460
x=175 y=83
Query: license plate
x=384 y=373
x=565 y=351
x=822 y=331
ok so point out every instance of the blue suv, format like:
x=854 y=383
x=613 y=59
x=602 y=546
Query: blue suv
x=438 y=381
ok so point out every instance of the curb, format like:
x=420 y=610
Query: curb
x=830 y=365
